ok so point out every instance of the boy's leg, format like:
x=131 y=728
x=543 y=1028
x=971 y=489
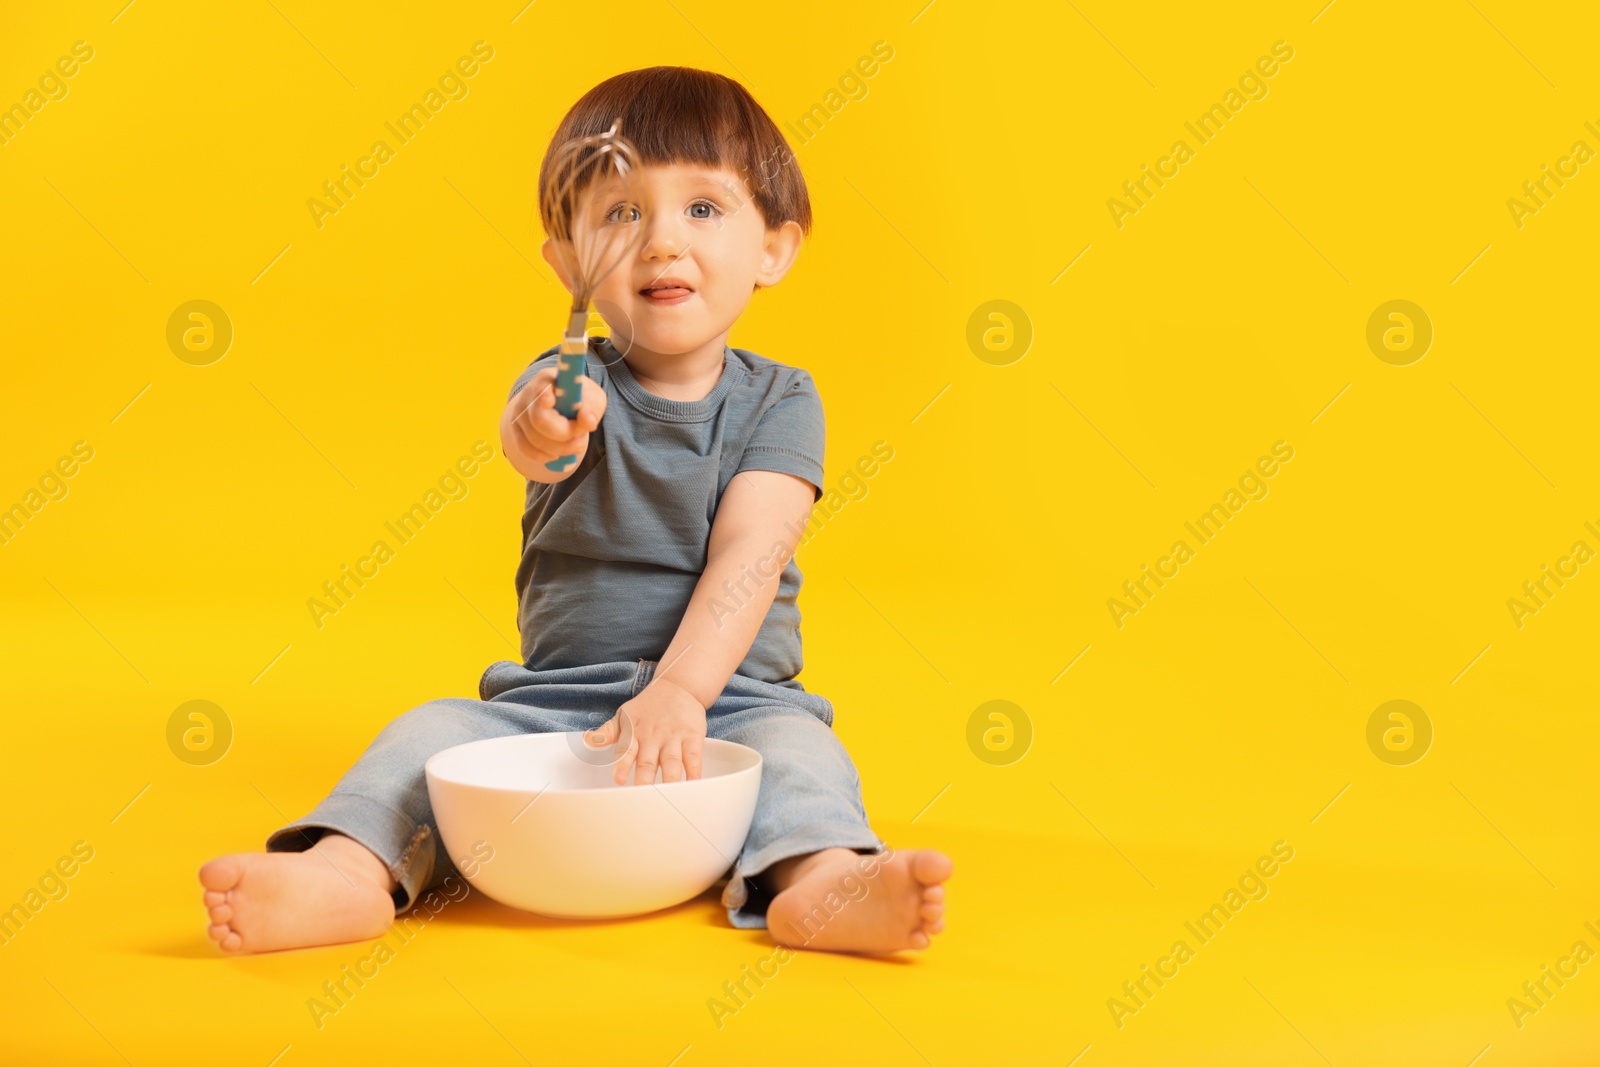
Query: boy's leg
x=368 y=849
x=382 y=801
x=811 y=869
x=371 y=846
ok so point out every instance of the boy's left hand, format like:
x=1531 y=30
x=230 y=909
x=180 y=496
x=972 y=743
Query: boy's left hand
x=665 y=726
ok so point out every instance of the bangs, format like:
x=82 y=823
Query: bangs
x=684 y=115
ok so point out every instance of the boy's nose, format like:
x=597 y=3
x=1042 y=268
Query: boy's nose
x=663 y=239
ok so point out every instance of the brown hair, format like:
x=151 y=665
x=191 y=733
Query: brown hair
x=685 y=115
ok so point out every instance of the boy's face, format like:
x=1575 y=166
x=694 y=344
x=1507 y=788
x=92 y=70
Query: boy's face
x=704 y=237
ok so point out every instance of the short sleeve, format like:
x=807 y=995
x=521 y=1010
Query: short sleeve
x=790 y=434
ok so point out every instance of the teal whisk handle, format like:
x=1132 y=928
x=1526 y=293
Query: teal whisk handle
x=568 y=388
x=569 y=364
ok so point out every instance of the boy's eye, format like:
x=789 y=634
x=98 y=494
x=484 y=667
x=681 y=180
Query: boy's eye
x=711 y=210
x=615 y=212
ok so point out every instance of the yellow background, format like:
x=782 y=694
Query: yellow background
x=1223 y=317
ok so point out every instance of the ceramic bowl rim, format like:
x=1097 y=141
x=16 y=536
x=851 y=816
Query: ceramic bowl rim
x=432 y=775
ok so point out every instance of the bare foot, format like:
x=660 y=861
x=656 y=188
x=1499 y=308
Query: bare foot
x=827 y=902
x=336 y=891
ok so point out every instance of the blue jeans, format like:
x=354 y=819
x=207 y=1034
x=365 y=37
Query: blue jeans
x=810 y=795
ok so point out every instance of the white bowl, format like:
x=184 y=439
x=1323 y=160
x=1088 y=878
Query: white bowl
x=535 y=821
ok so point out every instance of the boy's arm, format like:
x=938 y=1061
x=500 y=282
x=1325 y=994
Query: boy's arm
x=758 y=523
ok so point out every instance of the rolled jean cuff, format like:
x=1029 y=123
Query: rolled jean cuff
x=747 y=899
x=405 y=847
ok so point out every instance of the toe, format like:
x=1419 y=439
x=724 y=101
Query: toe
x=222 y=874
x=930 y=867
x=936 y=926
x=930 y=912
x=218 y=932
x=232 y=943
x=933 y=894
x=213 y=898
x=919 y=939
x=223 y=912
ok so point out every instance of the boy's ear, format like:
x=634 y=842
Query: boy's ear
x=778 y=253
x=549 y=252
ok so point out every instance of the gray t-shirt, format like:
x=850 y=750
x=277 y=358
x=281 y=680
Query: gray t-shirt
x=611 y=555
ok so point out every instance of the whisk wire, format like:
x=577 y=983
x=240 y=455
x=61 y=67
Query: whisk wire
x=589 y=247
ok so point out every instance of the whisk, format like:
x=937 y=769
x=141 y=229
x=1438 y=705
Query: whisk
x=587 y=178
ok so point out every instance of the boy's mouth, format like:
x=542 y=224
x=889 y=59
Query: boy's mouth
x=667 y=291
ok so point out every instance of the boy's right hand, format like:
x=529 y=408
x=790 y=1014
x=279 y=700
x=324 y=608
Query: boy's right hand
x=539 y=432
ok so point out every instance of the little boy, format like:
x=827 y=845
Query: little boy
x=657 y=587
